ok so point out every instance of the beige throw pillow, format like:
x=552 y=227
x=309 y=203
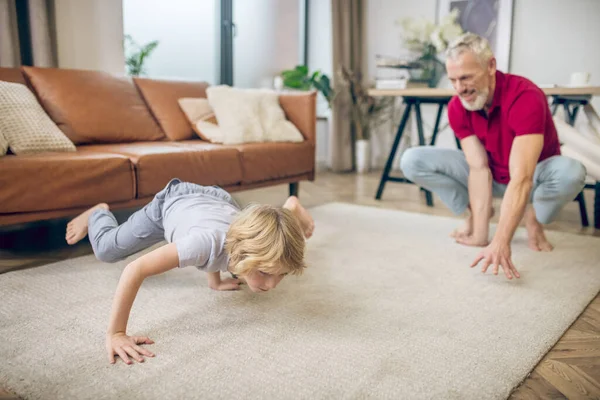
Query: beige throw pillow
x=246 y=116
x=202 y=118
x=25 y=125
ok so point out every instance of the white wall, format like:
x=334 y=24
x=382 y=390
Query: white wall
x=90 y=34
x=187 y=32
x=267 y=40
x=565 y=36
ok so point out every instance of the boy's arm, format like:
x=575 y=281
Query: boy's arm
x=153 y=263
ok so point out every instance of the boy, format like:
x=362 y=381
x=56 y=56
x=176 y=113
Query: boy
x=205 y=228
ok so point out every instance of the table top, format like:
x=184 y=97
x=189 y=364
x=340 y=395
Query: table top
x=439 y=92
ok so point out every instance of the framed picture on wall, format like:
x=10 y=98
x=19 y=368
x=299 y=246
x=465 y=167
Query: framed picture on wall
x=491 y=19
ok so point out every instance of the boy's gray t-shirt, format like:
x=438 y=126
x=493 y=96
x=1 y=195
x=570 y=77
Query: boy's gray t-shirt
x=197 y=223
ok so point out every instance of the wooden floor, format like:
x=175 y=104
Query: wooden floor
x=571 y=370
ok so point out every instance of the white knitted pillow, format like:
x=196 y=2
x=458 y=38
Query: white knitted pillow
x=25 y=125
x=250 y=115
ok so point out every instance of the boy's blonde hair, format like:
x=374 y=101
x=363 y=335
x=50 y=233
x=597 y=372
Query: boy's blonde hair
x=265 y=238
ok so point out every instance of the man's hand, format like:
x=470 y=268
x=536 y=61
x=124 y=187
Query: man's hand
x=122 y=345
x=498 y=255
x=226 y=284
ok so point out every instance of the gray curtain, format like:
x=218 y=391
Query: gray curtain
x=347 y=37
x=9 y=43
x=28 y=27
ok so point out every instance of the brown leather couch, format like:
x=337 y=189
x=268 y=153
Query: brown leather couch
x=131 y=139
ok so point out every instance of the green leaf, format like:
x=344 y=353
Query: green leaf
x=302 y=69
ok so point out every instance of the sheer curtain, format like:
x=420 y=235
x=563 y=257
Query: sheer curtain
x=27 y=33
x=347 y=37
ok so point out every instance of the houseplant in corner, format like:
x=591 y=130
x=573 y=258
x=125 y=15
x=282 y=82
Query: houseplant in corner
x=136 y=55
x=366 y=113
x=299 y=79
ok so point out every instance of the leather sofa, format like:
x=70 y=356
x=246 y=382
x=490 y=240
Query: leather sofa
x=131 y=139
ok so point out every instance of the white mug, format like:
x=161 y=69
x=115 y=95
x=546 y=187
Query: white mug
x=580 y=78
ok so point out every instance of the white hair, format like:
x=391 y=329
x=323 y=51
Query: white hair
x=471 y=42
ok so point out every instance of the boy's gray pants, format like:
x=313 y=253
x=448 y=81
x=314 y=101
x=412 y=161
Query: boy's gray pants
x=445 y=172
x=112 y=242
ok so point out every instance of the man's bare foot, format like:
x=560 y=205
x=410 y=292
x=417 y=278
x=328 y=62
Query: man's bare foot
x=306 y=221
x=77 y=228
x=464 y=231
x=472 y=240
x=535 y=232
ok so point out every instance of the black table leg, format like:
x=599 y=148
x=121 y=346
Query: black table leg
x=437 y=124
x=582 y=209
x=597 y=205
x=428 y=195
x=390 y=160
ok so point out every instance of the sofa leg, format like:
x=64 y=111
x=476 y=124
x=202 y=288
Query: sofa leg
x=294 y=186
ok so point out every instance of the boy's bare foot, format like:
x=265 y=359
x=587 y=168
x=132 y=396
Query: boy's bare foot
x=306 y=221
x=535 y=232
x=77 y=228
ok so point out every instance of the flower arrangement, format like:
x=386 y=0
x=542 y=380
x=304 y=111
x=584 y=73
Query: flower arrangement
x=428 y=40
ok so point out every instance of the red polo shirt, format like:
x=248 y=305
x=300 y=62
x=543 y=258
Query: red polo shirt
x=518 y=108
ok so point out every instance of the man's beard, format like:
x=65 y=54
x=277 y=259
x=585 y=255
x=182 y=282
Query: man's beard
x=478 y=103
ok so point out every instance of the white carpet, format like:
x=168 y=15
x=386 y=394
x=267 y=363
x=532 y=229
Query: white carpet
x=387 y=309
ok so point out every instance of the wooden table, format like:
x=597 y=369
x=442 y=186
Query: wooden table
x=571 y=98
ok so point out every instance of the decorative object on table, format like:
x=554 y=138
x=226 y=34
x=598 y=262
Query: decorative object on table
x=427 y=40
x=299 y=78
x=366 y=113
x=491 y=19
x=136 y=55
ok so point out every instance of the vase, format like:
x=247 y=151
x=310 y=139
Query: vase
x=431 y=70
x=362 y=151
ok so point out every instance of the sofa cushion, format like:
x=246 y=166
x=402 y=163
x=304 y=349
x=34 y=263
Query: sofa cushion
x=25 y=126
x=161 y=96
x=157 y=163
x=264 y=161
x=13 y=75
x=301 y=110
x=63 y=180
x=93 y=106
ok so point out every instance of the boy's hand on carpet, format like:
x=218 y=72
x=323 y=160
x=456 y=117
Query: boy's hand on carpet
x=227 y=284
x=127 y=346
x=497 y=254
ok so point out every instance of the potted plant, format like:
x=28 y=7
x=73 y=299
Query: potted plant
x=136 y=55
x=366 y=113
x=299 y=78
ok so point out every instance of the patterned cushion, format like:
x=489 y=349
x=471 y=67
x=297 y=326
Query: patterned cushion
x=25 y=125
x=3 y=144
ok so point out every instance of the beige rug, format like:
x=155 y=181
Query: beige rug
x=388 y=309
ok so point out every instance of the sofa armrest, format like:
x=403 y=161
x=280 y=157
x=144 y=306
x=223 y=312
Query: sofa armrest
x=301 y=110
